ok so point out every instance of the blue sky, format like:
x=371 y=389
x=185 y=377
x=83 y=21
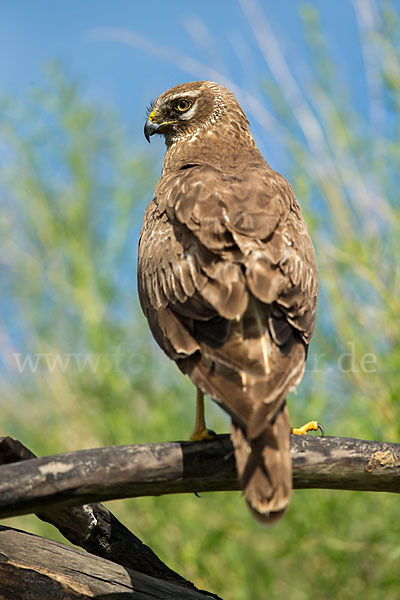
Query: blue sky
x=215 y=33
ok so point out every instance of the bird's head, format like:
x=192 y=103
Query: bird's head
x=182 y=111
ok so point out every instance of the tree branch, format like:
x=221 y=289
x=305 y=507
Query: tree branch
x=176 y=467
x=95 y=529
x=33 y=567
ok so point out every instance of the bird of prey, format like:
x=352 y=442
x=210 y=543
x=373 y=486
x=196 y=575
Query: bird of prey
x=227 y=279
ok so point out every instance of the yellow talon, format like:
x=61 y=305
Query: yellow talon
x=201 y=432
x=310 y=426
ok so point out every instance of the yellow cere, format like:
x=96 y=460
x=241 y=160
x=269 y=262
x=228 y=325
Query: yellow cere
x=152 y=116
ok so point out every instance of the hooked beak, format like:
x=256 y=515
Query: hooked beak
x=150 y=129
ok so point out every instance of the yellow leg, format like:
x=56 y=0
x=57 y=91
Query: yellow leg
x=311 y=426
x=200 y=431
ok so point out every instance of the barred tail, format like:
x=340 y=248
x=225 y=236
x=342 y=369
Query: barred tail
x=264 y=468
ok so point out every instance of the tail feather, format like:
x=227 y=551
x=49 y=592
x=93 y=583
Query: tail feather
x=264 y=468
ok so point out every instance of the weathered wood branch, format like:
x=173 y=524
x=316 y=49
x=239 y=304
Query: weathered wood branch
x=33 y=567
x=95 y=529
x=75 y=478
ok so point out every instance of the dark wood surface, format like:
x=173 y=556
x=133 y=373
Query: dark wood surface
x=54 y=487
x=33 y=568
x=95 y=529
x=76 y=478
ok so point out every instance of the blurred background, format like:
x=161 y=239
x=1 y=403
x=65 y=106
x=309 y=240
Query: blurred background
x=320 y=83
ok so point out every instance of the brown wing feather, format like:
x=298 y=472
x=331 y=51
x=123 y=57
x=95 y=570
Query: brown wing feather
x=227 y=279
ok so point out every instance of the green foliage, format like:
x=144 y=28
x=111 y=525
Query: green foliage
x=73 y=192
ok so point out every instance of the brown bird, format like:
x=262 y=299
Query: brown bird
x=227 y=279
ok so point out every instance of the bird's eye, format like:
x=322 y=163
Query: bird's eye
x=182 y=105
